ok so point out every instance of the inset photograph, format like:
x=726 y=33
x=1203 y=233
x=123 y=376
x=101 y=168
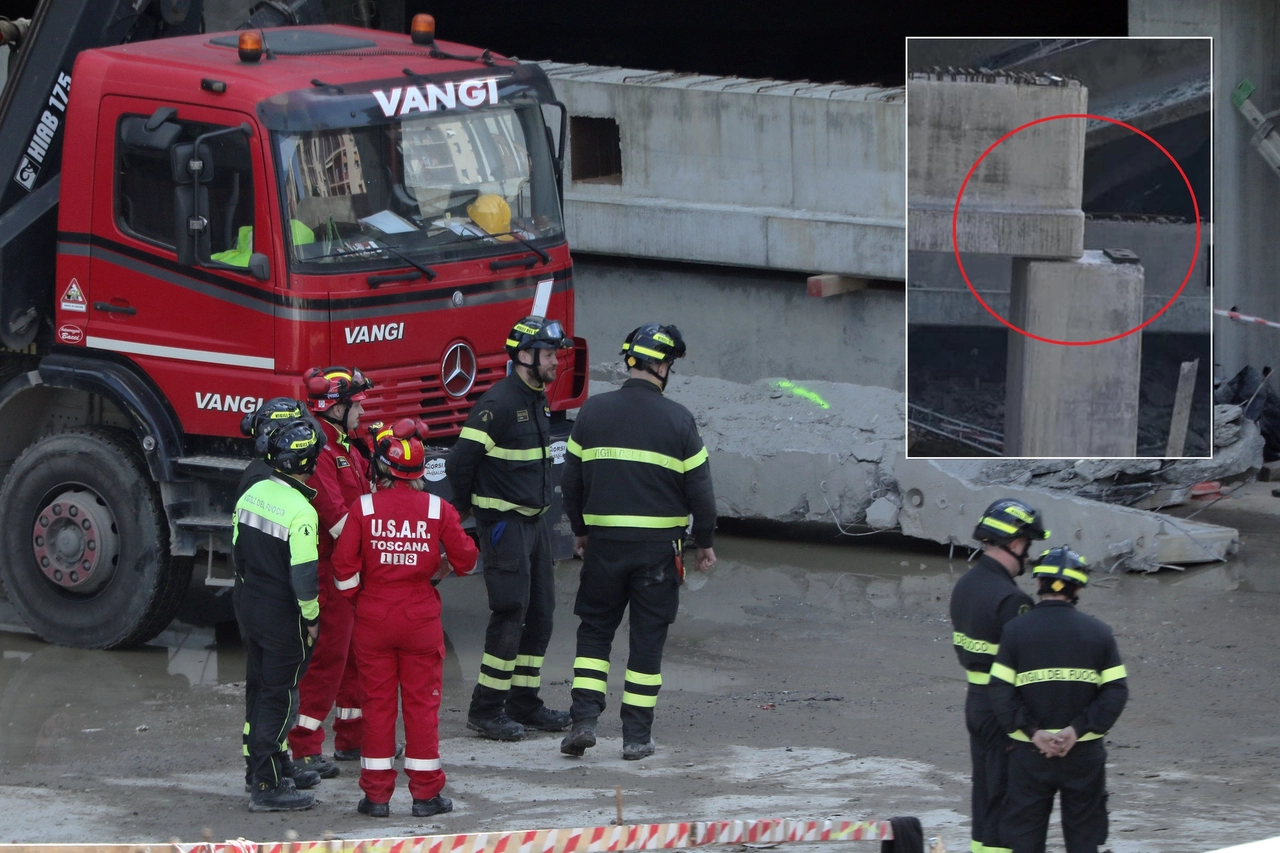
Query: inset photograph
x=1059 y=276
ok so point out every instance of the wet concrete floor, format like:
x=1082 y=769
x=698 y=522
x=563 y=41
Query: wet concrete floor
x=804 y=679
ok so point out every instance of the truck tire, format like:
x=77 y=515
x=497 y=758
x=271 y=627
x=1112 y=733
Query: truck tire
x=84 y=547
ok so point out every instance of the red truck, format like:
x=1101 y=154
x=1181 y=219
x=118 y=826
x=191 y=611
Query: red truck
x=232 y=209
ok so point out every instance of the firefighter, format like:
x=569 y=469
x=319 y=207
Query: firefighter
x=277 y=604
x=500 y=469
x=258 y=425
x=387 y=560
x=984 y=599
x=1058 y=687
x=634 y=471
x=334 y=395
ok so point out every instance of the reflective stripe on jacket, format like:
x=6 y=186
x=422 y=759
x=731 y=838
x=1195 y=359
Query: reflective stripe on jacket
x=501 y=465
x=1058 y=667
x=274 y=543
x=636 y=469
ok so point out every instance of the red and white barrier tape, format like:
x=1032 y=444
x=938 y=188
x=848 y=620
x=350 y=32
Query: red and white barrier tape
x=597 y=839
x=1245 y=318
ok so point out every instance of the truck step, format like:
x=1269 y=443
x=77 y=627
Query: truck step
x=206 y=523
x=212 y=464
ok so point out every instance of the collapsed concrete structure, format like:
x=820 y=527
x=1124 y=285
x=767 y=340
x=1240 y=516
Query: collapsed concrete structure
x=792 y=451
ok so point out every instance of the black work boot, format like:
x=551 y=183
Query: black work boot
x=637 y=751
x=581 y=738
x=372 y=809
x=302 y=779
x=346 y=754
x=499 y=727
x=326 y=768
x=544 y=719
x=284 y=797
x=438 y=804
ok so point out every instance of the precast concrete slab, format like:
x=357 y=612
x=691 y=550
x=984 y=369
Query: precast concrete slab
x=1024 y=199
x=937 y=295
x=940 y=503
x=762 y=173
x=1074 y=401
x=791 y=450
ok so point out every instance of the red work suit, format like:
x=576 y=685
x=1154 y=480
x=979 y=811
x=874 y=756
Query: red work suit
x=341 y=477
x=385 y=560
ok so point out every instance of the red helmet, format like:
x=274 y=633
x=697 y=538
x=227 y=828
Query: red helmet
x=334 y=385
x=400 y=449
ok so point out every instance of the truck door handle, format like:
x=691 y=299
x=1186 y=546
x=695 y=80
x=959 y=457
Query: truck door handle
x=114 y=309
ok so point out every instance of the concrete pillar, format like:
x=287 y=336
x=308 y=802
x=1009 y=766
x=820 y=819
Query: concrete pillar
x=1074 y=401
x=1024 y=199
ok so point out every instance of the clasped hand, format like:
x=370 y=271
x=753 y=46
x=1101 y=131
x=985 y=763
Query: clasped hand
x=1055 y=744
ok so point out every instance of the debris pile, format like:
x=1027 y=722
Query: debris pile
x=792 y=450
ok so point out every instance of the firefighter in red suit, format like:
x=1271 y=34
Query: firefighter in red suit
x=388 y=559
x=341 y=477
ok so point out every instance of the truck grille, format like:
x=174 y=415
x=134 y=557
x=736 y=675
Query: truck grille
x=417 y=392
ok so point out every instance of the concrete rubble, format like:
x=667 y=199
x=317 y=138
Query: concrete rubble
x=793 y=451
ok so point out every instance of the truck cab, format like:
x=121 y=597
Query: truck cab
x=228 y=218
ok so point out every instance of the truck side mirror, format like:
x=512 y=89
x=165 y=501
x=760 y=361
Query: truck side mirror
x=191 y=223
x=259 y=266
x=187 y=168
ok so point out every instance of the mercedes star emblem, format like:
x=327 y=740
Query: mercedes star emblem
x=458 y=370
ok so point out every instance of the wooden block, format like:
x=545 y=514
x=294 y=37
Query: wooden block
x=1181 y=409
x=832 y=285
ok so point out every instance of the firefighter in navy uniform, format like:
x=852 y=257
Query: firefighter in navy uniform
x=983 y=601
x=1058 y=687
x=334 y=394
x=500 y=470
x=276 y=599
x=634 y=471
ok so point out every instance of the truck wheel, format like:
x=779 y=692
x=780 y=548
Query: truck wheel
x=84 y=547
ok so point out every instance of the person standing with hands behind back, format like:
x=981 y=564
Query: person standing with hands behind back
x=634 y=472
x=387 y=560
x=1058 y=687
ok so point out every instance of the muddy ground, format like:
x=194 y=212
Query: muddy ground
x=805 y=679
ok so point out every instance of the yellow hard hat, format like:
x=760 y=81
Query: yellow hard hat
x=492 y=213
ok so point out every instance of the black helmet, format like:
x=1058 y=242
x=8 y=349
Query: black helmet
x=653 y=343
x=294 y=446
x=1007 y=520
x=536 y=333
x=267 y=417
x=1058 y=567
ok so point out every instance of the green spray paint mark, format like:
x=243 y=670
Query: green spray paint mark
x=801 y=391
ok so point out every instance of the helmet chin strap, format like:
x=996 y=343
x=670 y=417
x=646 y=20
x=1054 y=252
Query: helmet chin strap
x=1021 y=558
x=653 y=371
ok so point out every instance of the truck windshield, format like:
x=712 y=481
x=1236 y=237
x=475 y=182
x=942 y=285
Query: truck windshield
x=438 y=188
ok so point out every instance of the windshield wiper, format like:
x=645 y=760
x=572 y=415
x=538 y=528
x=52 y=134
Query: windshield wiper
x=423 y=268
x=542 y=255
x=546 y=258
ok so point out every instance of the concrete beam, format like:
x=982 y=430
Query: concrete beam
x=1024 y=199
x=1073 y=400
x=763 y=173
x=937 y=296
x=939 y=503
